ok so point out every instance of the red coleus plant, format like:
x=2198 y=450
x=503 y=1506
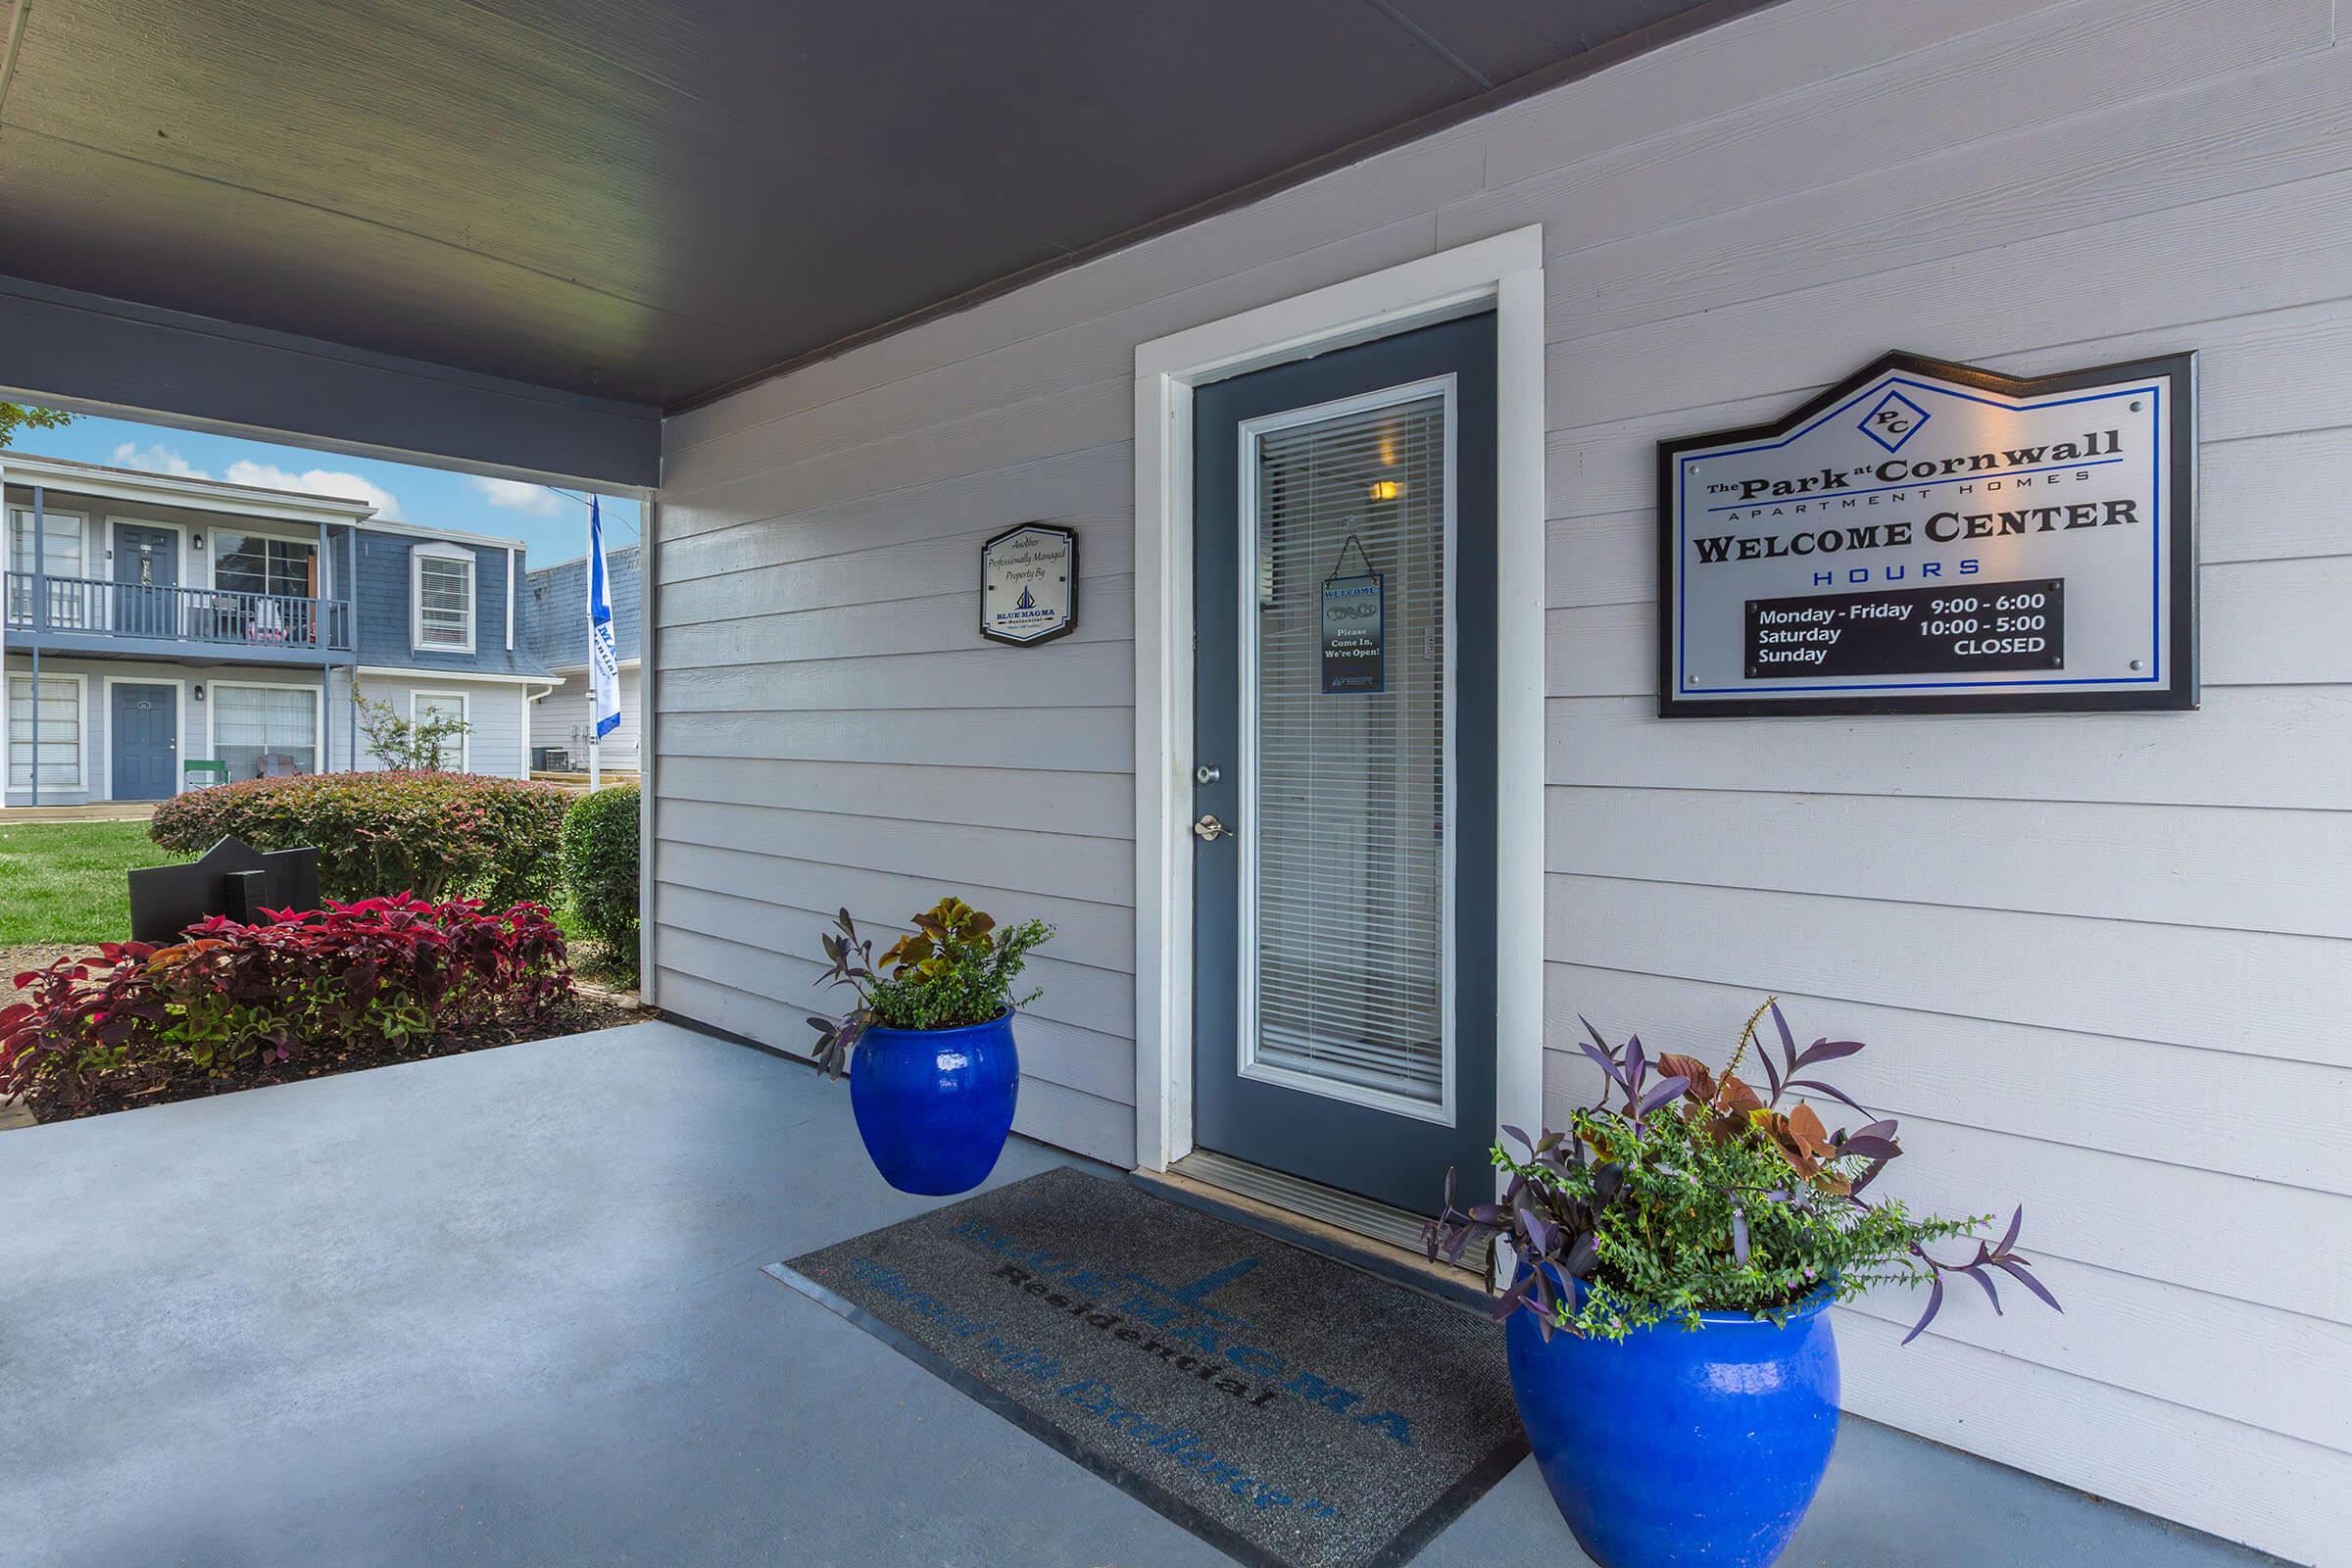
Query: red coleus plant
x=378 y=972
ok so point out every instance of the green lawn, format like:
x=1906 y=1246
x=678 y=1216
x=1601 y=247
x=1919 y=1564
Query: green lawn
x=63 y=881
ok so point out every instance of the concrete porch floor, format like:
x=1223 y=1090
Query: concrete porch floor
x=506 y=1308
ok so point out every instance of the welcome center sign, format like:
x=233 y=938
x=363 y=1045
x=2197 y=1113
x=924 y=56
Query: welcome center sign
x=1929 y=537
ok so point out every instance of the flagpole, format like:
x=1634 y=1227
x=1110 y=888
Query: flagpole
x=604 y=676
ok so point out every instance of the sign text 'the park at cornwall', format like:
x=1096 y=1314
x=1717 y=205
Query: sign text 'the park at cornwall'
x=1929 y=537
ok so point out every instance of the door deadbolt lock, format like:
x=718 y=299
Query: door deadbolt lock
x=1207 y=773
x=1209 y=831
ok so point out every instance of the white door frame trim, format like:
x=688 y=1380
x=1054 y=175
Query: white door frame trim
x=1504 y=273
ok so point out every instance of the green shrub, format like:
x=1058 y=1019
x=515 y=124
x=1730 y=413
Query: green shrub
x=600 y=866
x=436 y=835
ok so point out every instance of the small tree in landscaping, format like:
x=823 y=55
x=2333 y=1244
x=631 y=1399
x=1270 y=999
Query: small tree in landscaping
x=600 y=866
x=429 y=744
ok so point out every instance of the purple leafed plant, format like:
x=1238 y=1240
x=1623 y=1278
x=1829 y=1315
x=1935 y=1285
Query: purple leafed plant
x=1684 y=1191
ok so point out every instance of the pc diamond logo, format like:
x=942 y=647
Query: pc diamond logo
x=1894 y=420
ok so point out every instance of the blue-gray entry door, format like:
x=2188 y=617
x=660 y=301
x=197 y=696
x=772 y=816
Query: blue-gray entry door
x=143 y=740
x=146 y=580
x=1344 y=720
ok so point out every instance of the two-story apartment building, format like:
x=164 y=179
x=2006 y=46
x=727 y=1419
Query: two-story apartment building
x=554 y=624
x=161 y=631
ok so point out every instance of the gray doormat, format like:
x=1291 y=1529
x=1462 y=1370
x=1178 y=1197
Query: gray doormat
x=1293 y=1411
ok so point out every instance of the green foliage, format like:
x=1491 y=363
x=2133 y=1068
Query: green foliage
x=600 y=866
x=956 y=968
x=1688 y=1183
x=15 y=416
x=436 y=835
x=426 y=744
x=1694 y=1193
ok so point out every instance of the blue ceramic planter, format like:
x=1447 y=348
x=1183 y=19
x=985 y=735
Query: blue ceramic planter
x=1681 y=1446
x=934 y=1105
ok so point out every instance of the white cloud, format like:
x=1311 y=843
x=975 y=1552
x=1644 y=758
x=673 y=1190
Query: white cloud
x=156 y=459
x=516 y=496
x=316 y=482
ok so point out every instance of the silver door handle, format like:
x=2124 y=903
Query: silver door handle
x=1209 y=831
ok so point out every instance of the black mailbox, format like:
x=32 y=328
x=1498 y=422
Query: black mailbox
x=233 y=878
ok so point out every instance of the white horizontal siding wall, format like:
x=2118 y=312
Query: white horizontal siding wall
x=560 y=719
x=2104 y=960
x=834 y=733
x=561 y=715
x=495 y=744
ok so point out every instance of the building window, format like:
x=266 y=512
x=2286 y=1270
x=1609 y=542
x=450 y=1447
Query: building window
x=265 y=731
x=61 y=732
x=423 y=705
x=60 y=557
x=256 y=563
x=443 y=601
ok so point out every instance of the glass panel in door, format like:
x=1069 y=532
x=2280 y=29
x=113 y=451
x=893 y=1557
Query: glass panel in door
x=1346 y=903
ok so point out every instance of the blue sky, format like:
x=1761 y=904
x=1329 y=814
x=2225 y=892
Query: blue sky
x=553 y=528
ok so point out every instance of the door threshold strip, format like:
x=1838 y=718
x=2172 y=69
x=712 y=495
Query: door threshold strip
x=1356 y=1231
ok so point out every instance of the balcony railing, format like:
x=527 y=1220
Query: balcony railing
x=96 y=607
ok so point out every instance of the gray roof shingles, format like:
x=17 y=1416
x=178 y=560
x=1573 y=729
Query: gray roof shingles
x=554 y=609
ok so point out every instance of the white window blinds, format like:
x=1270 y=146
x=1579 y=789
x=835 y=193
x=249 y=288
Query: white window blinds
x=60 y=720
x=445 y=601
x=60 y=541
x=1347 y=903
x=264 y=731
x=61 y=555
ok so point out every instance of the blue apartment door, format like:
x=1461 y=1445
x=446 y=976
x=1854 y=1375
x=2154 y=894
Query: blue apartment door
x=1343 y=740
x=144 y=736
x=146 y=579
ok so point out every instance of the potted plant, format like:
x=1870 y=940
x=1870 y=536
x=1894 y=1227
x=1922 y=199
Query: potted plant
x=1678 y=1246
x=933 y=1071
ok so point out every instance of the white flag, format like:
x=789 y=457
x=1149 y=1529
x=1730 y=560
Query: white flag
x=603 y=662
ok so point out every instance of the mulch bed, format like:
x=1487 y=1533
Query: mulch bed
x=14 y=961
x=591 y=1008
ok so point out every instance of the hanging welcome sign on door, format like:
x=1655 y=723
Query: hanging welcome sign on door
x=1355 y=663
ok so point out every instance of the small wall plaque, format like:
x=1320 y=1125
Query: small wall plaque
x=1029 y=584
x=1929 y=537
